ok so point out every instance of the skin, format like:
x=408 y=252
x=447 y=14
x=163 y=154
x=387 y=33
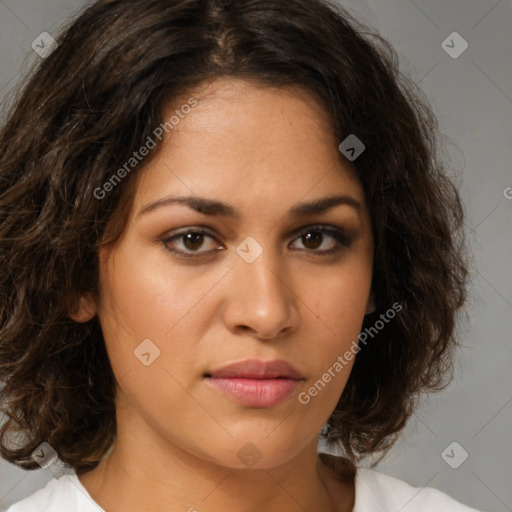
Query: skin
x=261 y=150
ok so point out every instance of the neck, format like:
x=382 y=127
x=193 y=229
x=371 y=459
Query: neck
x=167 y=478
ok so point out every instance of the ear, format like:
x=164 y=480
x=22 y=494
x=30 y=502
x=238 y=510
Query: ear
x=86 y=309
x=370 y=306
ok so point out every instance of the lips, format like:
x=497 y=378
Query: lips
x=256 y=383
x=254 y=369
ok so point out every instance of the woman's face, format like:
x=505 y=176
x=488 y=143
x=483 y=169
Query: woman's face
x=252 y=280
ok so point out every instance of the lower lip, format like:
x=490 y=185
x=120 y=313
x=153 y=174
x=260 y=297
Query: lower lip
x=255 y=392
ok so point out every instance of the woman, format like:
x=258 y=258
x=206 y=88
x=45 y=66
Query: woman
x=224 y=232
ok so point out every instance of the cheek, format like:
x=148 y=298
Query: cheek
x=151 y=307
x=146 y=325
x=147 y=295
x=339 y=300
x=338 y=306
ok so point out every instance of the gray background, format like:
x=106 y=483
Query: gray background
x=472 y=96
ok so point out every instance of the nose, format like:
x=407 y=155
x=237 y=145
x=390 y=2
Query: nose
x=261 y=299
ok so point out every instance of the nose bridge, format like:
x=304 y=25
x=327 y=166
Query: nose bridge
x=261 y=300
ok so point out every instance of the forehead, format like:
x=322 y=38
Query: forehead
x=250 y=143
x=252 y=112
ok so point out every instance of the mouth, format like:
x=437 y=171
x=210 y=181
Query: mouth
x=256 y=384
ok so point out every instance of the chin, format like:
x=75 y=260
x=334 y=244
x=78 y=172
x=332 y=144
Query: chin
x=253 y=454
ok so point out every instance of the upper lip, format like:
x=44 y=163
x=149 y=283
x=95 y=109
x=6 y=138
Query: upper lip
x=255 y=369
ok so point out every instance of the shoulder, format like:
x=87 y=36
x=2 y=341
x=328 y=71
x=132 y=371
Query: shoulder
x=61 y=494
x=379 y=492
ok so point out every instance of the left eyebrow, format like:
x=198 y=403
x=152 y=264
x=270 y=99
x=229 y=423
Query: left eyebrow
x=218 y=208
x=322 y=205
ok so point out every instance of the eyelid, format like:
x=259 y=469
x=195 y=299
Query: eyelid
x=339 y=234
x=329 y=229
x=190 y=229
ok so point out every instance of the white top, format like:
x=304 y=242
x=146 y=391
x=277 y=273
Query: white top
x=374 y=492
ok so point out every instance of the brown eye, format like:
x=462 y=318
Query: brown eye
x=313 y=240
x=314 y=237
x=191 y=242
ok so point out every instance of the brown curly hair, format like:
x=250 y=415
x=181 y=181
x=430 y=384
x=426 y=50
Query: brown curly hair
x=99 y=96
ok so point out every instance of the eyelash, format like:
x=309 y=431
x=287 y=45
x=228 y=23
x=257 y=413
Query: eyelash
x=340 y=236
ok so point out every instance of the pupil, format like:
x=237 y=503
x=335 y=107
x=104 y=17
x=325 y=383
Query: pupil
x=194 y=238
x=313 y=236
